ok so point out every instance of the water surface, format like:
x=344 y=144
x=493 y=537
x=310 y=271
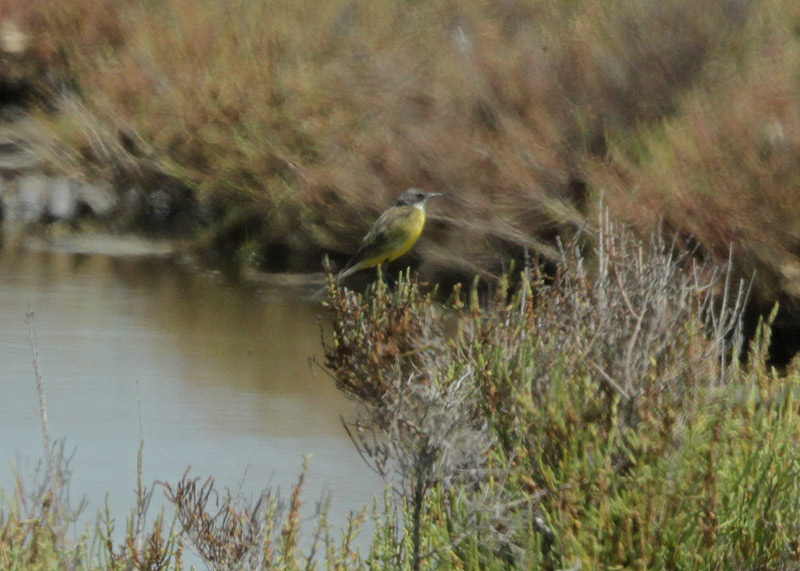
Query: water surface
x=208 y=374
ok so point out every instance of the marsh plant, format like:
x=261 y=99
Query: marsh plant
x=600 y=414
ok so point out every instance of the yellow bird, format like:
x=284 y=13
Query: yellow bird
x=393 y=233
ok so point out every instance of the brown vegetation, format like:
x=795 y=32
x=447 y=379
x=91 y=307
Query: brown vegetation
x=297 y=122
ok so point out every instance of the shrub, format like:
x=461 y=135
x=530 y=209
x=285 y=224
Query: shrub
x=603 y=415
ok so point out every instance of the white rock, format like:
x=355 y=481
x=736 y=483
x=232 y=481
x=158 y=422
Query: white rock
x=12 y=39
x=31 y=199
x=100 y=198
x=62 y=202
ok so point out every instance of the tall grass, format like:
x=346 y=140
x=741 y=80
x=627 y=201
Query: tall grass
x=724 y=171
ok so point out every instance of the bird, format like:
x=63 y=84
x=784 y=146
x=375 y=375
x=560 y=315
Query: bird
x=393 y=234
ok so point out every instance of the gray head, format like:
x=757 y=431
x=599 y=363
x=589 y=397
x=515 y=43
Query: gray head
x=414 y=197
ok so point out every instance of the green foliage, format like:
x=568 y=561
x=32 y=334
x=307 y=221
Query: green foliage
x=609 y=417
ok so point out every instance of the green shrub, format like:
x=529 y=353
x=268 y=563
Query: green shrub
x=602 y=415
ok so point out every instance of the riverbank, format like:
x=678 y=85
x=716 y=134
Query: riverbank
x=270 y=136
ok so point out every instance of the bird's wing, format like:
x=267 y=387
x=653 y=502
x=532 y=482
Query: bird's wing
x=388 y=229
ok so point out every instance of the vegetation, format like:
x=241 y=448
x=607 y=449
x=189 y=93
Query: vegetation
x=605 y=417
x=600 y=413
x=296 y=123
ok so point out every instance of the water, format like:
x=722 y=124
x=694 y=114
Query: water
x=208 y=374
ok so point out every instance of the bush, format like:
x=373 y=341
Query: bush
x=602 y=415
x=313 y=117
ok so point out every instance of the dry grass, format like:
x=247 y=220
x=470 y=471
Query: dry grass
x=725 y=171
x=321 y=113
x=296 y=123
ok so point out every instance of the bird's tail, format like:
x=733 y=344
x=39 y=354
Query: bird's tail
x=318 y=295
x=347 y=271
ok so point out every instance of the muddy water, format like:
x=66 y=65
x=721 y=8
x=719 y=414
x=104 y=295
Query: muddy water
x=208 y=374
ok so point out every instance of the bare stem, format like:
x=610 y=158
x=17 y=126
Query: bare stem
x=48 y=451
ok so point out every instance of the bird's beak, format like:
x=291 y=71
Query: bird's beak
x=432 y=194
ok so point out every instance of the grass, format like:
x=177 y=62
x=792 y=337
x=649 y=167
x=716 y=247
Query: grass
x=722 y=170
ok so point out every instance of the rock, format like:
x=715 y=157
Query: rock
x=62 y=200
x=100 y=198
x=39 y=198
x=31 y=200
x=14 y=157
x=133 y=202
x=161 y=205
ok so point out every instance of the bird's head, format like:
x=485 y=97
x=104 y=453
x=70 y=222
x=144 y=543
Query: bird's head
x=415 y=197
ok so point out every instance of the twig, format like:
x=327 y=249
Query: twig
x=48 y=451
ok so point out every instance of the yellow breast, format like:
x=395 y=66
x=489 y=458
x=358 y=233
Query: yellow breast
x=393 y=235
x=407 y=231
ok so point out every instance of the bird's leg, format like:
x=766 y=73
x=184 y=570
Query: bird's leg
x=383 y=275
